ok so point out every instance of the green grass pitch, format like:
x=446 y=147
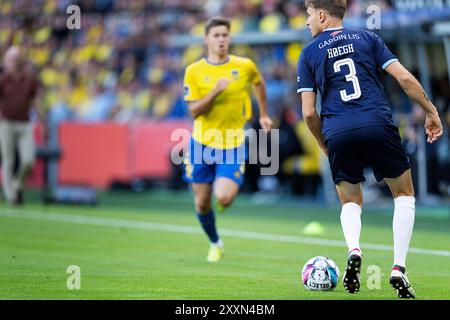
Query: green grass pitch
x=150 y=246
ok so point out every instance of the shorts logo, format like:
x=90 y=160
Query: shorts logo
x=235 y=74
x=189 y=170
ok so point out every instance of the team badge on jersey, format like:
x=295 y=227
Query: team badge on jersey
x=235 y=74
x=186 y=91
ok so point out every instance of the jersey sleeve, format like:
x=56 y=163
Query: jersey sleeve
x=255 y=75
x=383 y=56
x=305 y=76
x=191 y=90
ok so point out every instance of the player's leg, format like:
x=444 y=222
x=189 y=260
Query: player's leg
x=8 y=157
x=403 y=224
x=347 y=168
x=350 y=196
x=391 y=163
x=229 y=177
x=27 y=156
x=201 y=177
x=202 y=199
x=206 y=217
x=404 y=214
x=225 y=191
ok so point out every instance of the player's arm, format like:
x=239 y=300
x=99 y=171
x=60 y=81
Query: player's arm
x=306 y=86
x=199 y=107
x=312 y=118
x=414 y=90
x=259 y=88
x=260 y=94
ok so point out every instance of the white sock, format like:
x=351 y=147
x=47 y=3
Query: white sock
x=402 y=225
x=219 y=243
x=351 y=224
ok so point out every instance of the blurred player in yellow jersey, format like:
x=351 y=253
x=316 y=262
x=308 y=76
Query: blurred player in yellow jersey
x=216 y=89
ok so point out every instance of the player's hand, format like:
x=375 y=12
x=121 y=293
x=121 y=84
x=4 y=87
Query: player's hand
x=266 y=123
x=222 y=84
x=433 y=127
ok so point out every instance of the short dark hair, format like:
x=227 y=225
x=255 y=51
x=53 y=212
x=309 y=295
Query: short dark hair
x=335 y=8
x=217 y=21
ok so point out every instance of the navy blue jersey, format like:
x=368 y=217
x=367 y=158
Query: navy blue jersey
x=342 y=64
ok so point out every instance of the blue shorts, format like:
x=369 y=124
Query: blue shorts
x=204 y=164
x=378 y=147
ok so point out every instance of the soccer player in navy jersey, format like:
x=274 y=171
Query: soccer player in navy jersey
x=355 y=128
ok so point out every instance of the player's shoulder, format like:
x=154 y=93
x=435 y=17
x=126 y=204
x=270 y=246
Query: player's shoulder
x=241 y=60
x=310 y=48
x=196 y=65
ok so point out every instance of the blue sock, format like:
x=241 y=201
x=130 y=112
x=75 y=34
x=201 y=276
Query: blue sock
x=209 y=225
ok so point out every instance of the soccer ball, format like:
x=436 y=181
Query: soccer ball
x=320 y=274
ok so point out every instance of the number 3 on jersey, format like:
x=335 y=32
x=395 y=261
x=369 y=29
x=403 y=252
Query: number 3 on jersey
x=349 y=77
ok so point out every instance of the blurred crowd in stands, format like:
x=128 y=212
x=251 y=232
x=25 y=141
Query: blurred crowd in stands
x=120 y=66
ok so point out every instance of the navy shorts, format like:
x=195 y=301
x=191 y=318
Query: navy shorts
x=378 y=147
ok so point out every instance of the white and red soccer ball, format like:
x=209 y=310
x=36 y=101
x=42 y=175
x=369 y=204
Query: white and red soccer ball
x=320 y=274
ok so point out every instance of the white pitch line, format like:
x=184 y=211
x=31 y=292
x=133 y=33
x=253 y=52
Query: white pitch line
x=143 y=225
